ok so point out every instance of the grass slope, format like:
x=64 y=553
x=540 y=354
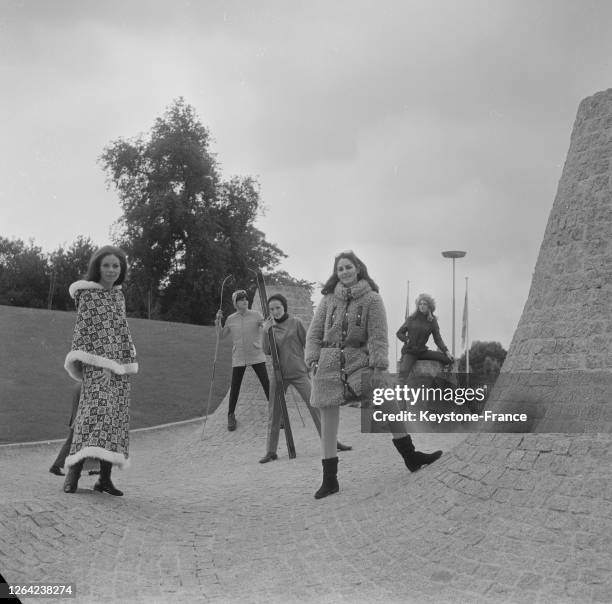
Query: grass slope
x=175 y=360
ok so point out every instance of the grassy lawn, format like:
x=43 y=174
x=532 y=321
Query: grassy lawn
x=175 y=360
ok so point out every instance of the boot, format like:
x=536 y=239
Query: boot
x=330 y=481
x=104 y=483
x=342 y=447
x=414 y=459
x=269 y=456
x=72 y=478
x=231 y=422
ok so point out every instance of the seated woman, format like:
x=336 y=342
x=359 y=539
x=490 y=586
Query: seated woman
x=415 y=332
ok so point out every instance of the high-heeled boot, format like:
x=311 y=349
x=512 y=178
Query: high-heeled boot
x=330 y=478
x=414 y=460
x=71 y=482
x=104 y=483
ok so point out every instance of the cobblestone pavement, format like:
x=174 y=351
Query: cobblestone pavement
x=500 y=518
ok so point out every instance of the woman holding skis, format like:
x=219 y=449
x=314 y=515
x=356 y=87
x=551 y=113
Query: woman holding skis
x=290 y=337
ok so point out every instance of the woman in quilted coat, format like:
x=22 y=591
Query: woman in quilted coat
x=102 y=357
x=346 y=342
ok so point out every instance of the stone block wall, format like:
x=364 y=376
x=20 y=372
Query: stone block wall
x=298 y=300
x=560 y=357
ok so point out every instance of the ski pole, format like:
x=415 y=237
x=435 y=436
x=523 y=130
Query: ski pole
x=212 y=377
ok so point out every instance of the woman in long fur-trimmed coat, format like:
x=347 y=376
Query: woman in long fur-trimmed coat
x=102 y=358
x=346 y=344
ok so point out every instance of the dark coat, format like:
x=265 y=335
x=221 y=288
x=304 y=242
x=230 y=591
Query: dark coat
x=416 y=331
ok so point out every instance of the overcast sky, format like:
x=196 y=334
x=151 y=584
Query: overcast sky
x=397 y=129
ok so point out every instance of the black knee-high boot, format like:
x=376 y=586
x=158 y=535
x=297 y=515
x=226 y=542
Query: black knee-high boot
x=330 y=478
x=414 y=459
x=71 y=481
x=104 y=483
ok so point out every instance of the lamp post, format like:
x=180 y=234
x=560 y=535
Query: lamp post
x=454 y=254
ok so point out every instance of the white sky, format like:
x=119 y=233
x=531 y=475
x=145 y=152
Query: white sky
x=397 y=129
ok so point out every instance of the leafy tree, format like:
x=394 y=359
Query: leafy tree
x=24 y=279
x=284 y=278
x=486 y=358
x=67 y=265
x=182 y=226
x=164 y=182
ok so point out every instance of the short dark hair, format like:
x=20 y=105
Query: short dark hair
x=280 y=298
x=362 y=272
x=93 y=271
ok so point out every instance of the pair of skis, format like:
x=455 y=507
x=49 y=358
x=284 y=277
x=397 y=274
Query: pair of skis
x=279 y=398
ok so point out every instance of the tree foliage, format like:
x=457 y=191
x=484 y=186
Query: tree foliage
x=67 y=265
x=28 y=277
x=183 y=226
x=284 y=278
x=24 y=278
x=486 y=358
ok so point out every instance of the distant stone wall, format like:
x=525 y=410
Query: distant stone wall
x=299 y=305
x=560 y=358
x=298 y=300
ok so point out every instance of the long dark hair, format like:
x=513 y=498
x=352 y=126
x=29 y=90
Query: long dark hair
x=93 y=271
x=362 y=272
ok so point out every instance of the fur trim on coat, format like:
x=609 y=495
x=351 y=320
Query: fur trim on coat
x=117 y=459
x=101 y=334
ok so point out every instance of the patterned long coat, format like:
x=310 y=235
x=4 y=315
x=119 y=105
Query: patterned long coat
x=354 y=317
x=102 y=357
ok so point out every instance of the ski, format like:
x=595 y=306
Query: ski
x=278 y=374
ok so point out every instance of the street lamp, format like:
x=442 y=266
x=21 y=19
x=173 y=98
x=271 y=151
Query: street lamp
x=453 y=254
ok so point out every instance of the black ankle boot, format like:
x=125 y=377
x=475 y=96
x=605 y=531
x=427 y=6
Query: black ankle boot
x=269 y=456
x=414 y=459
x=72 y=478
x=330 y=481
x=104 y=483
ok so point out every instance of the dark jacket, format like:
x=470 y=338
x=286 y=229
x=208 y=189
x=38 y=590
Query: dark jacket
x=416 y=331
x=290 y=336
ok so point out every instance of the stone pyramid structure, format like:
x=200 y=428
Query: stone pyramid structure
x=559 y=365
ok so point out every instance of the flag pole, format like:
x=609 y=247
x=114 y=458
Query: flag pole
x=407 y=300
x=405 y=317
x=467 y=330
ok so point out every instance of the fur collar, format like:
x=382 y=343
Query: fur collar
x=361 y=288
x=82 y=284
